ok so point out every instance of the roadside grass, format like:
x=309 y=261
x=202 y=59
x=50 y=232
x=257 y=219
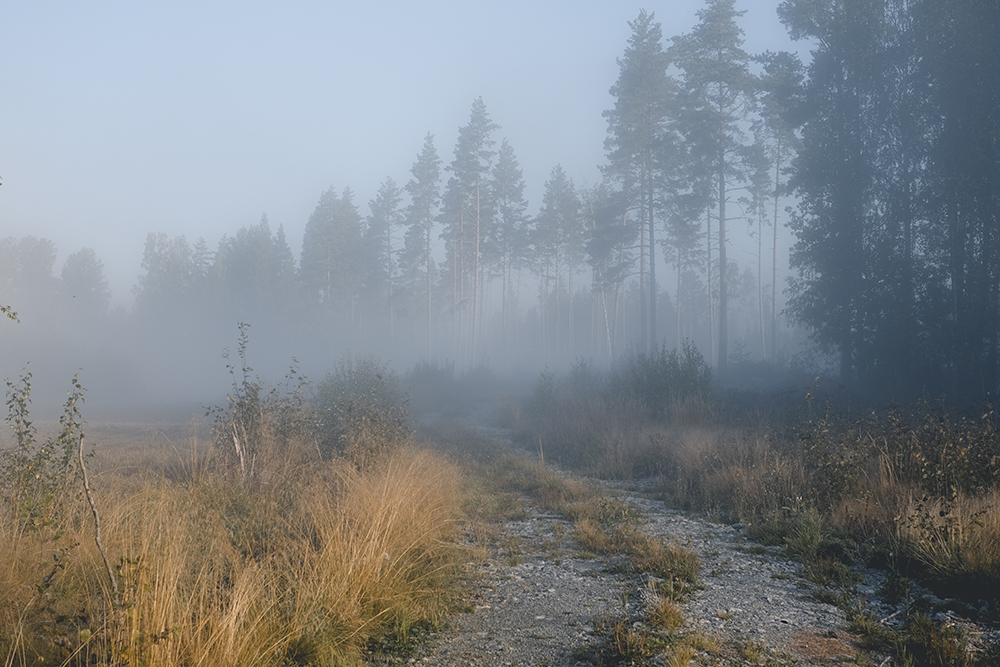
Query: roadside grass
x=268 y=546
x=307 y=569
x=912 y=489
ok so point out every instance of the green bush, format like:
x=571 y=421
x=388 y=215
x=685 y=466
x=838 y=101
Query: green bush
x=362 y=411
x=38 y=476
x=664 y=378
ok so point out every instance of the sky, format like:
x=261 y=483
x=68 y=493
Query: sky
x=118 y=119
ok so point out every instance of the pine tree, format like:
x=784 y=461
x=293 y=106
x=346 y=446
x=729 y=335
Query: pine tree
x=331 y=266
x=780 y=86
x=609 y=237
x=834 y=176
x=557 y=232
x=637 y=130
x=386 y=215
x=424 y=191
x=959 y=68
x=467 y=217
x=283 y=270
x=718 y=98
x=508 y=240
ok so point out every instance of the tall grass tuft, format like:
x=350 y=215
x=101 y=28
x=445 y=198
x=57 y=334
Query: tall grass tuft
x=215 y=573
x=277 y=557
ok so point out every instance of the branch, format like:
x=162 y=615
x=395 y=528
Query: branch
x=97 y=524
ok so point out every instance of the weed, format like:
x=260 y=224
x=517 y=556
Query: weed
x=39 y=476
x=752 y=651
x=895 y=588
x=257 y=429
x=666 y=615
x=926 y=643
x=863 y=623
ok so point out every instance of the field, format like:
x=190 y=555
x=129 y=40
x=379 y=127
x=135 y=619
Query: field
x=310 y=526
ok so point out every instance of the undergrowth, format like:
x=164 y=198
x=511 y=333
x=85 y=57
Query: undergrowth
x=270 y=550
x=913 y=489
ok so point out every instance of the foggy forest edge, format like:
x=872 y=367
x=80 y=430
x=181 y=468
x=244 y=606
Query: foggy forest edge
x=881 y=156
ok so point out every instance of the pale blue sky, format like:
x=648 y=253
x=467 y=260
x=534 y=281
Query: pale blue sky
x=122 y=118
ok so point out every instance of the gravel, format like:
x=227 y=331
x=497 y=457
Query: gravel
x=537 y=599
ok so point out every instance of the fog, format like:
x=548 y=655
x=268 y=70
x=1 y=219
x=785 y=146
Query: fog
x=191 y=122
x=170 y=173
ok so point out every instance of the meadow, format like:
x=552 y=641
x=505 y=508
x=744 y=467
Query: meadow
x=298 y=534
x=323 y=525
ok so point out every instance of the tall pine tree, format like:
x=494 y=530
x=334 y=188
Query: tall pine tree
x=636 y=132
x=425 y=194
x=467 y=217
x=718 y=99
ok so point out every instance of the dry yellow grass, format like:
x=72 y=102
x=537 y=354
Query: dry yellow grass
x=303 y=568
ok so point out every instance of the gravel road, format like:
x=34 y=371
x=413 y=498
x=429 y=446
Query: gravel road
x=538 y=599
x=538 y=603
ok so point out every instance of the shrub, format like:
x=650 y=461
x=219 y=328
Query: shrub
x=258 y=427
x=664 y=378
x=38 y=476
x=362 y=411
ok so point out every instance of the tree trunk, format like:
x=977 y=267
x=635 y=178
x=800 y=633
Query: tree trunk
x=774 y=259
x=723 y=287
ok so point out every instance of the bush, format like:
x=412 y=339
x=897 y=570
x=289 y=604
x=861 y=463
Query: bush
x=605 y=423
x=362 y=411
x=663 y=379
x=257 y=428
x=39 y=476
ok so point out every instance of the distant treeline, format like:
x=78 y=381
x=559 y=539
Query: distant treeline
x=883 y=148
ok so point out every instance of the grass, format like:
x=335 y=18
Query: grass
x=264 y=548
x=911 y=488
x=307 y=569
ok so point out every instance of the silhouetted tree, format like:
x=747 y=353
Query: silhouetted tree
x=557 y=232
x=424 y=191
x=84 y=288
x=467 y=216
x=718 y=97
x=780 y=89
x=959 y=71
x=507 y=242
x=331 y=267
x=608 y=245
x=165 y=285
x=834 y=176
x=637 y=130
x=386 y=215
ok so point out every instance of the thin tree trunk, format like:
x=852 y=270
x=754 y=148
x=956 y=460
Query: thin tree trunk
x=427 y=240
x=760 y=277
x=679 y=311
x=652 y=270
x=708 y=277
x=774 y=259
x=723 y=287
x=643 y=278
x=476 y=279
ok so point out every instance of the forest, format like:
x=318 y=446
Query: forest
x=879 y=154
